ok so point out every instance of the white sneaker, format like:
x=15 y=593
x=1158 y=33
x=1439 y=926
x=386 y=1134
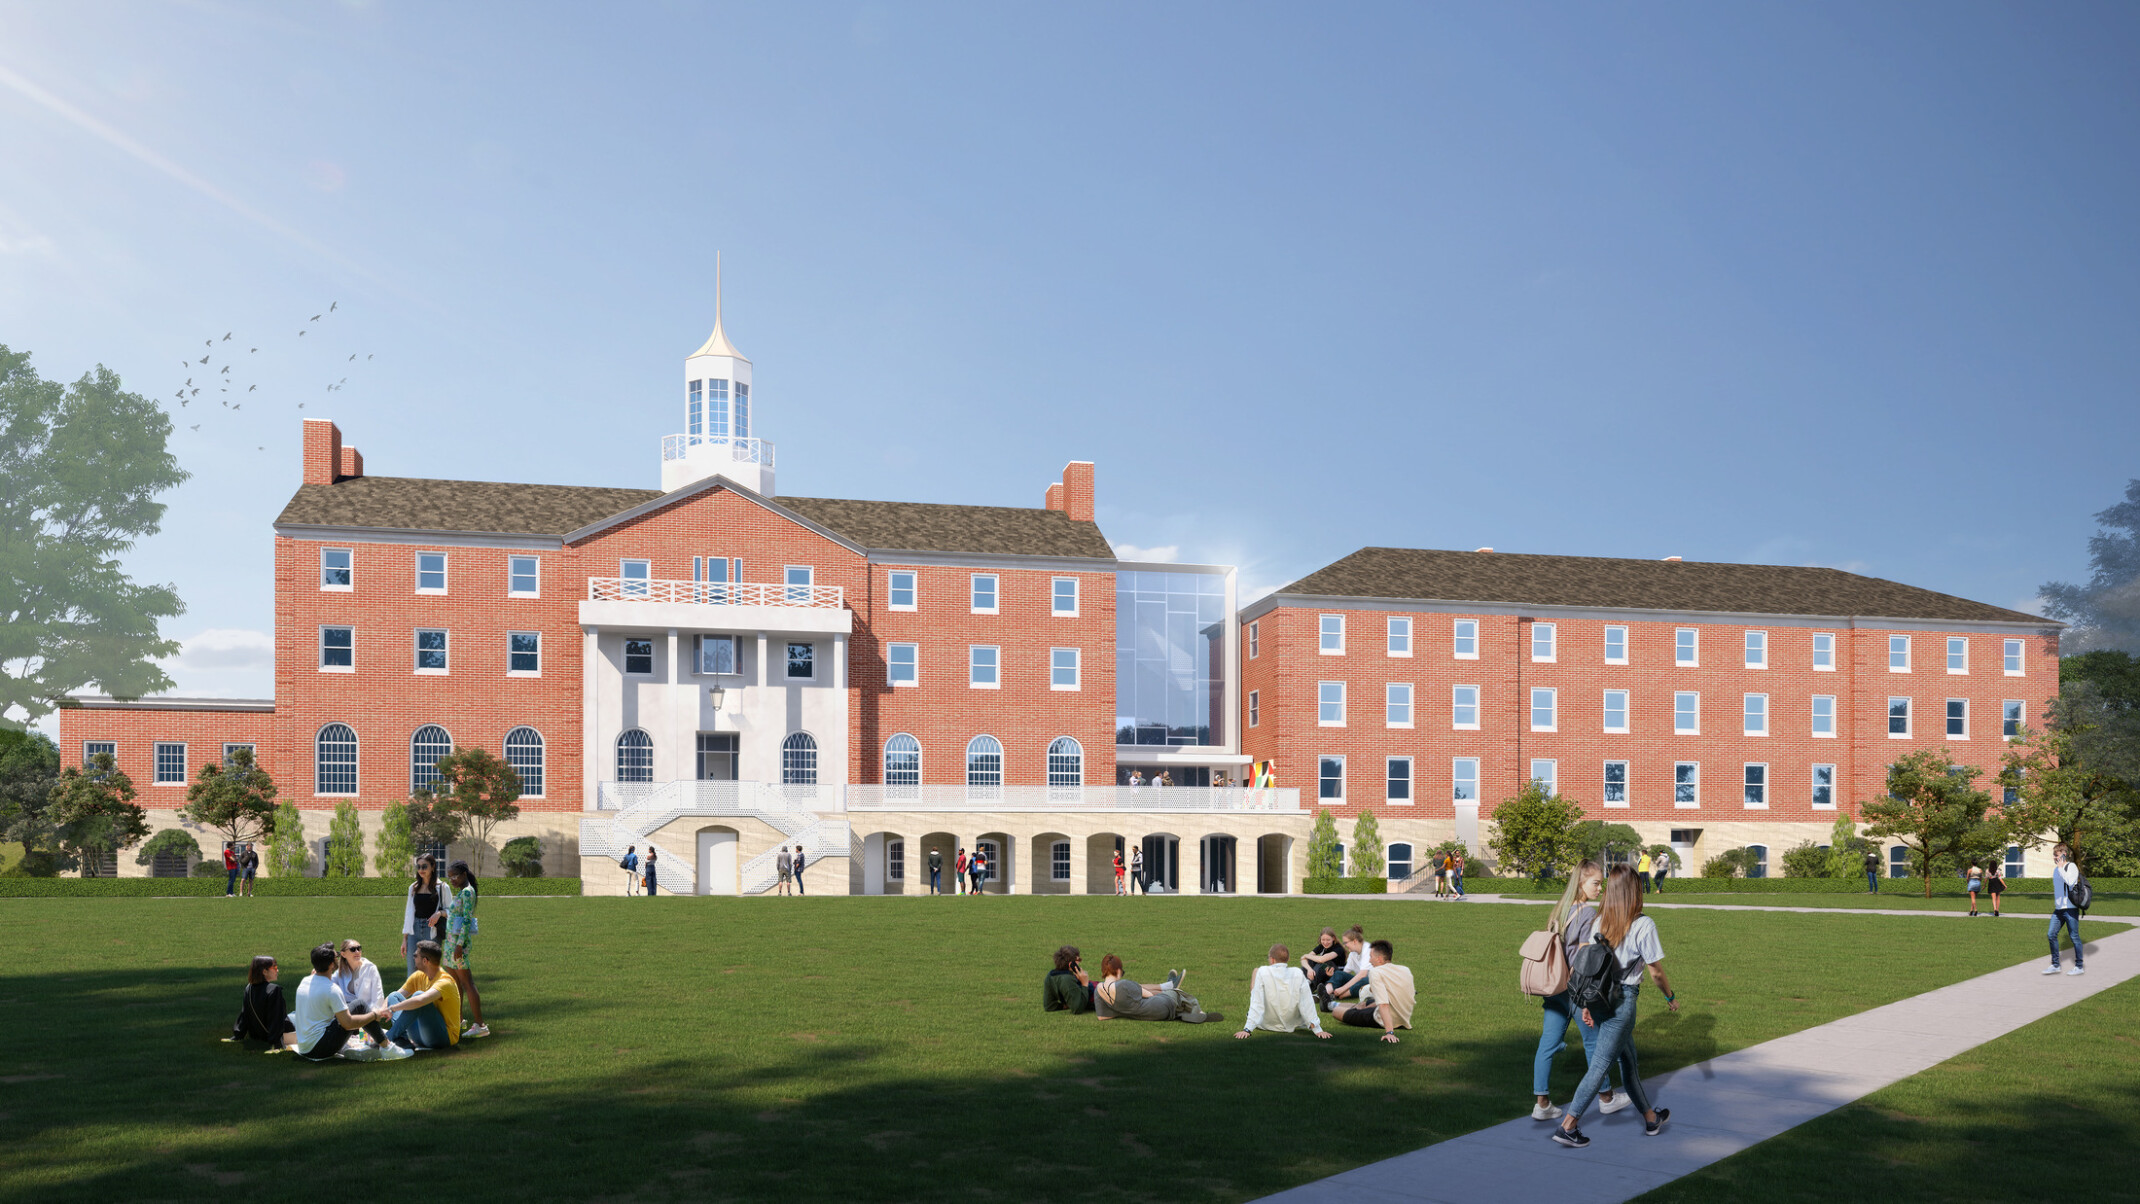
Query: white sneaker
x=1615 y=1104
x=394 y=1053
x=1545 y=1112
x=476 y=1030
x=2075 y=972
x=2051 y=969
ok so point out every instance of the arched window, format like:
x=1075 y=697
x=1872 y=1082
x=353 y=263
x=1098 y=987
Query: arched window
x=523 y=751
x=1066 y=762
x=798 y=762
x=984 y=764
x=635 y=757
x=335 y=760
x=902 y=766
x=1400 y=861
x=425 y=748
x=1898 y=862
x=1757 y=861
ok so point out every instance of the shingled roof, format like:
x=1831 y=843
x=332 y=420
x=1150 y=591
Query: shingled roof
x=494 y=508
x=1600 y=581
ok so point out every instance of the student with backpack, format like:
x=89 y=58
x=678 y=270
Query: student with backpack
x=1573 y=922
x=2070 y=896
x=1605 y=983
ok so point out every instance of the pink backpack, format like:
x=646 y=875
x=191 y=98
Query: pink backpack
x=1545 y=962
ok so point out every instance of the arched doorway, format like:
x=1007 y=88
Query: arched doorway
x=945 y=847
x=1002 y=862
x=1273 y=854
x=1162 y=862
x=717 y=861
x=1216 y=872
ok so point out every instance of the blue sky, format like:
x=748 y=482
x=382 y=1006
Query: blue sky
x=1839 y=284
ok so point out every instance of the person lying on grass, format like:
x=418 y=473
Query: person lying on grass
x=1388 y=998
x=1067 y=988
x=324 y=1019
x=264 y=1015
x=1279 y=1000
x=427 y=1008
x=1119 y=998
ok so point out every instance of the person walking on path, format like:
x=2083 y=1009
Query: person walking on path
x=936 y=871
x=1872 y=871
x=2064 y=911
x=1642 y=871
x=1976 y=883
x=629 y=864
x=1441 y=877
x=1577 y=914
x=1658 y=870
x=799 y=860
x=784 y=865
x=651 y=884
x=1456 y=876
x=1635 y=945
x=230 y=871
x=1995 y=885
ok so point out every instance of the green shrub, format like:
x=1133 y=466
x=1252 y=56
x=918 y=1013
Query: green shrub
x=1345 y=886
x=1728 y=864
x=176 y=841
x=1805 y=860
x=521 y=857
x=207 y=868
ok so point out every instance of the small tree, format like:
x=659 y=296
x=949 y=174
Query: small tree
x=29 y=770
x=1604 y=843
x=1445 y=849
x=345 y=843
x=433 y=821
x=1323 y=861
x=175 y=841
x=1366 y=860
x=1534 y=832
x=1805 y=860
x=397 y=846
x=521 y=857
x=1846 y=849
x=1936 y=811
x=95 y=815
x=1728 y=864
x=237 y=800
x=288 y=856
x=482 y=789
x=2065 y=782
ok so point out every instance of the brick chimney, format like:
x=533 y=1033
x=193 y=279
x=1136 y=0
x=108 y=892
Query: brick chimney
x=1077 y=490
x=323 y=451
x=1055 y=496
x=352 y=463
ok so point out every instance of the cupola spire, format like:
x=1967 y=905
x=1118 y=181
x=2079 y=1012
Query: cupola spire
x=720 y=436
x=717 y=343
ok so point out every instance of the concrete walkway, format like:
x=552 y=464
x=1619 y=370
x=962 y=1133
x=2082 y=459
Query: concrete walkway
x=1729 y=1103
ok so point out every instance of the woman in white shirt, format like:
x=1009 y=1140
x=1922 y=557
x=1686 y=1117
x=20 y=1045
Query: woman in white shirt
x=1633 y=937
x=1577 y=916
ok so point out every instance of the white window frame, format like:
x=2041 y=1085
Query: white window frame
x=1627 y=785
x=1552 y=708
x=1947 y=720
x=1254 y=644
x=788 y=646
x=1693 y=780
x=1687 y=641
x=1957 y=643
x=1055 y=597
x=1745 y=786
x=1815 y=717
x=635 y=584
x=1457 y=706
x=1756 y=649
x=1462 y=632
x=417 y=650
x=995 y=593
x=892 y=665
x=1677 y=696
x=706 y=664
x=624 y=656
x=1327 y=626
x=1550 y=779
x=509 y=654
x=1391 y=706
x=324 y=667
x=1399 y=637
x=1323 y=703
x=1333 y=800
x=1814 y=787
x=1059 y=861
x=794 y=577
x=445 y=570
x=1823 y=646
x=1411 y=782
x=350 y=568
x=993 y=668
x=1611 y=632
x=91 y=749
x=1625 y=708
x=1255 y=708
x=2015 y=663
x=1547 y=636
x=1898 y=645
x=1909 y=719
x=1747 y=707
x=2019 y=717
x=231 y=746
x=1055 y=669
x=1462 y=771
x=156 y=777
x=892 y=589
x=510 y=592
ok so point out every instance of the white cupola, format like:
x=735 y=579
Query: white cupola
x=720 y=428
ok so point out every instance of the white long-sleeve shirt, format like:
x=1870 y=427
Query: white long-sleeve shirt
x=362 y=988
x=1279 y=1002
x=2063 y=876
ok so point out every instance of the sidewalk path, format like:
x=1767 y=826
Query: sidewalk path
x=1729 y=1103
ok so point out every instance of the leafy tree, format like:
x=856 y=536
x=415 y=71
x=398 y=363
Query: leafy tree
x=288 y=856
x=175 y=841
x=1323 y=847
x=2116 y=676
x=1367 y=847
x=521 y=857
x=1730 y=863
x=1937 y=812
x=482 y=790
x=2065 y=787
x=1805 y=860
x=1534 y=833
x=433 y=821
x=345 y=843
x=95 y=814
x=397 y=845
x=1604 y=843
x=237 y=800
x=29 y=770
x=2105 y=612
x=1846 y=849
x=1445 y=849
x=83 y=464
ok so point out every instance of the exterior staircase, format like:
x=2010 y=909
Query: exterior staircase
x=628 y=813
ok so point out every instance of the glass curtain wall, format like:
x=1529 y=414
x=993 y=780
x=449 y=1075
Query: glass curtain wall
x=1170 y=663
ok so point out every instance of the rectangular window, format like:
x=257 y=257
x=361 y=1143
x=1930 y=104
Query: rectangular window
x=798 y=578
x=1255 y=707
x=1687 y=784
x=895 y=860
x=2010 y=717
x=1824 y=715
x=430 y=572
x=1542 y=641
x=230 y=752
x=92 y=749
x=1616 y=645
x=1062 y=594
x=903 y=664
x=338 y=649
x=983 y=662
x=170 y=764
x=1686 y=647
x=523 y=576
x=1756 y=715
x=1898 y=718
x=1757 y=786
x=1253 y=643
x=1687 y=713
x=1824 y=651
x=337 y=569
x=1063 y=669
x=1898 y=654
x=1547 y=774
x=635 y=574
x=1330 y=781
x=1824 y=787
x=1957 y=654
x=1616 y=784
x=1545 y=705
x=1400 y=637
x=1059 y=861
x=717 y=409
x=1757 y=649
x=717 y=655
x=802 y=662
x=1330 y=634
x=1330 y=704
x=1399 y=776
x=2015 y=866
x=1616 y=711
x=1466 y=643
x=639 y=657
x=1397 y=704
x=430 y=650
x=904 y=590
x=1464 y=708
x=984 y=594
x=1957 y=719
x=523 y=653
x=2013 y=658
x=1464 y=779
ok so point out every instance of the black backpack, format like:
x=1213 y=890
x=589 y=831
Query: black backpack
x=1594 y=979
x=2080 y=894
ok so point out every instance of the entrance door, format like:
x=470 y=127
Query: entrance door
x=1683 y=839
x=717 y=861
x=1218 y=868
x=1162 y=862
x=717 y=756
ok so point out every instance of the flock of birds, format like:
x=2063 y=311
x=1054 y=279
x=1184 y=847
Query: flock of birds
x=224 y=382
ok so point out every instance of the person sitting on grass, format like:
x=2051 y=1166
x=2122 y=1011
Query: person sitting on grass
x=1324 y=960
x=265 y=1014
x=1067 y=988
x=1351 y=978
x=360 y=983
x=427 y=1008
x=1279 y=1000
x=1388 y=999
x=1119 y=998
x=323 y=1018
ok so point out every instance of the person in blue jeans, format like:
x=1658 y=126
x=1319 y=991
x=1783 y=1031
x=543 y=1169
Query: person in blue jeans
x=1633 y=937
x=420 y=1018
x=1456 y=875
x=1872 y=871
x=2064 y=876
x=1577 y=916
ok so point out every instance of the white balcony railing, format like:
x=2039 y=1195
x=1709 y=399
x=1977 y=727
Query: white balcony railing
x=718 y=447
x=1073 y=798
x=714 y=593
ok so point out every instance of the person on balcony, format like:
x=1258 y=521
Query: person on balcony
x=1279 y=1000
x=1067 y=988
x=1119 y=998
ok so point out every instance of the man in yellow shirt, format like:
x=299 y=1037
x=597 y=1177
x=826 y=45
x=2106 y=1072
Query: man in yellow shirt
x=427 y=1008
x=1642 y=871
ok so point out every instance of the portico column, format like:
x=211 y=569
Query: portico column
x=1078 y=842
x=590 y=717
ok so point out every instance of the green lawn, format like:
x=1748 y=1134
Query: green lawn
x=2013 y=905
x=834 y=1048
